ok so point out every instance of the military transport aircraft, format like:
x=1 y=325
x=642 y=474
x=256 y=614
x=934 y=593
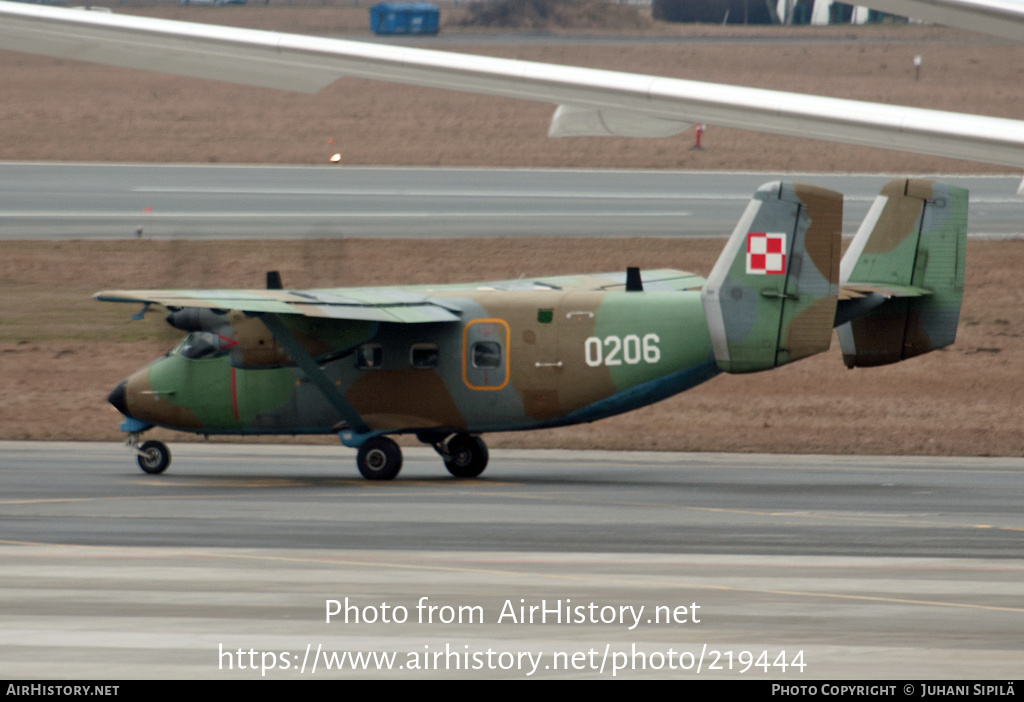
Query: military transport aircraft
x=448 y=363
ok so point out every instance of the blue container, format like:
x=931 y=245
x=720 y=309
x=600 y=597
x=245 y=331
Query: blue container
x=405 y=18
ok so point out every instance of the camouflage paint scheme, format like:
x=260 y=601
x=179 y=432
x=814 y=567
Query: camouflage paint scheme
x=451 y=362
x=541 y=326
x=911 y=245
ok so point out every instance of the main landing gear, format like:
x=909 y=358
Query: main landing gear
x=464 y=456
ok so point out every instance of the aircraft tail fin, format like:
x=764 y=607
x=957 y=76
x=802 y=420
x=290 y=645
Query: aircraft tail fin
x=771 y=297
x=903 y=275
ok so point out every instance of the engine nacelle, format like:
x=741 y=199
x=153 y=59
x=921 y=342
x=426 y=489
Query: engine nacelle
x=196 y=319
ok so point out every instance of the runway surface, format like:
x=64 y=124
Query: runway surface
x=872 y=567
x=74 y=201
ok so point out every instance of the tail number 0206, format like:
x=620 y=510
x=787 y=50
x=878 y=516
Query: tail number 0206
x=614 y=350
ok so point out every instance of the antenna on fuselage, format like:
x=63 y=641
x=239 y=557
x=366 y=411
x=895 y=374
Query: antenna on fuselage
x=633 y=281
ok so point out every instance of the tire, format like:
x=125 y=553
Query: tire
x=379 y=458
x=155 y=457
x=468 y=456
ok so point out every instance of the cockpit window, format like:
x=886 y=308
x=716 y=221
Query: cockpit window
x=200 y=345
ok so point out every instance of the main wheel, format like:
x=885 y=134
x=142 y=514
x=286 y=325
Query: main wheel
x=379 y=458
x=468 y=456
x=155 y=457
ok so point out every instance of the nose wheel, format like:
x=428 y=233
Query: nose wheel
x=153 y=456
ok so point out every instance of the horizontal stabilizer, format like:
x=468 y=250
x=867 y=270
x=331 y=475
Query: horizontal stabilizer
x=771 y=297
x=852 y=291
x=903 y=275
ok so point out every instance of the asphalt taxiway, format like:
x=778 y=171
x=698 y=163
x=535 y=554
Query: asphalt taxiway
x=872 y=567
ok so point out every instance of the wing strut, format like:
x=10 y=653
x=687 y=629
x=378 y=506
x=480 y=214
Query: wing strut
x=313 y=371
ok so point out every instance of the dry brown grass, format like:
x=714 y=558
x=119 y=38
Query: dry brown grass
x=553 y=15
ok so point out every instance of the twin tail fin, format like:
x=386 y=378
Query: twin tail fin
x=903 y=275
x=779 y=286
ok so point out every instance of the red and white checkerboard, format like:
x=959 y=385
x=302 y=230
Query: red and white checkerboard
x=766 y=253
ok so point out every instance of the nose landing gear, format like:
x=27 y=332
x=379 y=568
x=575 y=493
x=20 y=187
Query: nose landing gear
x=153 y=456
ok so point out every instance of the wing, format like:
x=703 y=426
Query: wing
x=1000 y=18
x=591 y=102
x=406 y=305
x=662 y=279
x=364 y=305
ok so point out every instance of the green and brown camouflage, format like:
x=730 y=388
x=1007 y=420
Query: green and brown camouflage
x=905 y=270
x=766 y=313
x=450 y=362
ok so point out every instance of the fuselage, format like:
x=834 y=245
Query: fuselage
x=517 y=360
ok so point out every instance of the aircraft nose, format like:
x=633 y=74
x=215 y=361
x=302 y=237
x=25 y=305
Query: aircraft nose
x=118 y=398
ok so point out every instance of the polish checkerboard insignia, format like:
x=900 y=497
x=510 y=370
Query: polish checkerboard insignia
x=766 y=253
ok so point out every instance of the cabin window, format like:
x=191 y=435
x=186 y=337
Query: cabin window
x=423 y=355
x=369 y=356
x=487 y=355
x=545 y=316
